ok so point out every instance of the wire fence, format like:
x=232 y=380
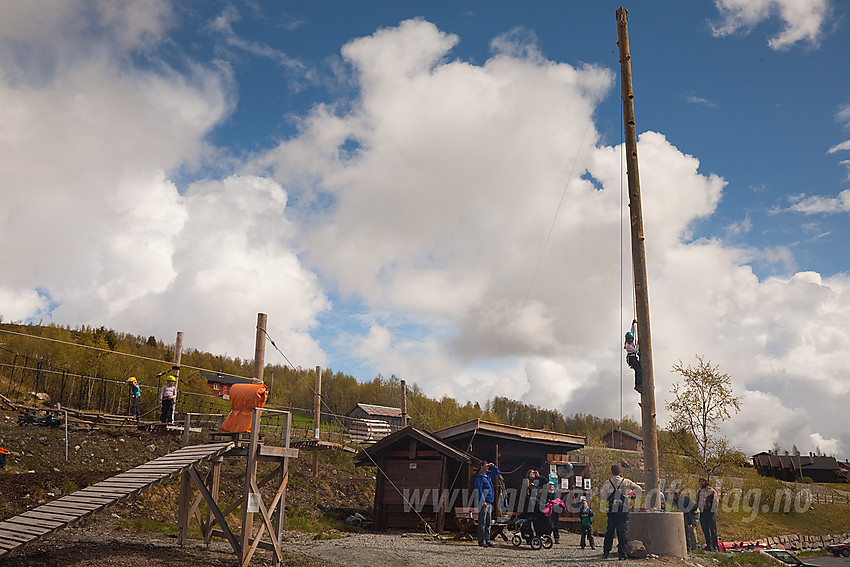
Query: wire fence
x=28 y=382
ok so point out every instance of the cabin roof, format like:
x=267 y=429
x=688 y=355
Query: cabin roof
x=480 y=427
x=373 y=409
x=624 y=433
x=366 y=456
x=793 y=462
x=224 y=379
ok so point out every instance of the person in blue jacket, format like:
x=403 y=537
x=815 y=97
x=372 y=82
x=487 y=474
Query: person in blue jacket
x=485 y=493
x=135 y=396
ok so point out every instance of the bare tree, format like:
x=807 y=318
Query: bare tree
x=700 y=403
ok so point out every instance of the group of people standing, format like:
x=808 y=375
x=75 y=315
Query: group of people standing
x=536 y=494
x=706 y=506
x=167 y=398
x=615 y=493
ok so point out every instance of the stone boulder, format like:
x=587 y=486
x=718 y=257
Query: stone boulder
x=635 y=549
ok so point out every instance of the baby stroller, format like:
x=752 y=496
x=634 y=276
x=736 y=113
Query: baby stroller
x=535 y=530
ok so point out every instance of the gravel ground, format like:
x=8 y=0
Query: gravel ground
x=369 y=550
x=90 y=548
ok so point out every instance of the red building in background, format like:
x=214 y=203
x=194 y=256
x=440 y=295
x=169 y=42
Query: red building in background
x=219 y=384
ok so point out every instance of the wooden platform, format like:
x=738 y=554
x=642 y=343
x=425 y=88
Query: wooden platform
x=317 y=445
x=48 y=518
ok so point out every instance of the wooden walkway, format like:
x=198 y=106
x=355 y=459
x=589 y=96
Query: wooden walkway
x=48 y=518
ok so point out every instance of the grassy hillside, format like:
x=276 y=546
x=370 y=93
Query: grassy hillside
x=743 y=498
x=37 y=472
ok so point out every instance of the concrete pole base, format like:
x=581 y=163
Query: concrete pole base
x=662 y=533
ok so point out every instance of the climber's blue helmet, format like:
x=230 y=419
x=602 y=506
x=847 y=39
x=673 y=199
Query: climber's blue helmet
x=630 y=336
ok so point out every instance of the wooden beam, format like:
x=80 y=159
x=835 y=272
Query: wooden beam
x=213 y=506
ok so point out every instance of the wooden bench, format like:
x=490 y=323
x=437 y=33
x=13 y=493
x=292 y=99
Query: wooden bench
x=467 y=524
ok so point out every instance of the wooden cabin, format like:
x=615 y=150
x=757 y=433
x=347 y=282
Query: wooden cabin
x=621 y=439
x=419 y=472
x=792 y=468
x=515 y=450
x=372 y=412
x=443 y=464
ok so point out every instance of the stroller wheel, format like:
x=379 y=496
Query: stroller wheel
x=536 y=543
x=516 y=540
x=547 y=541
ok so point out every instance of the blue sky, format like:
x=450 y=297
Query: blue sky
x=433 y=190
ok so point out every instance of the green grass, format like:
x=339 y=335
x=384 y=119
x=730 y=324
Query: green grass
x=738 y=559
x=820 y=519
x=736 y=520
x=322 y=535
x=299 y=519
x=150 y=525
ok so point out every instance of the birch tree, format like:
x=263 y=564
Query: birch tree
x=701 y=402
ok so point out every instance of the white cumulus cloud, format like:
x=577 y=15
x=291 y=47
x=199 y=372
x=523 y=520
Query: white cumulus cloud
x=804 y=20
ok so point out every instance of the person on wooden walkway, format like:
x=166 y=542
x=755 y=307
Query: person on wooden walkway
x=168 y=397
x=135 y=396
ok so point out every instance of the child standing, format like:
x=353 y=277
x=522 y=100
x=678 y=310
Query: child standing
x=586 y=515
x=135 y=395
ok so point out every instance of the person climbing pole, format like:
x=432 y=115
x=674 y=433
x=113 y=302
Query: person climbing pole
x=633 y=356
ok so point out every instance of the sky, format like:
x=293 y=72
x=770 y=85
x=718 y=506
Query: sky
x=437 y=191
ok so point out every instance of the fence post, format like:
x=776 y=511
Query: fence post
x=37 y=375
x=62 y=388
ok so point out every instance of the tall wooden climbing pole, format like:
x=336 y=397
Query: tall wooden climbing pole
x=648 y=413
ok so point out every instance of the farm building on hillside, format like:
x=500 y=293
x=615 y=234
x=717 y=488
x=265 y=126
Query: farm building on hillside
x=427 y=475
x=219 y=384
x=792 y=468
x=374 y=412
x=621 y=439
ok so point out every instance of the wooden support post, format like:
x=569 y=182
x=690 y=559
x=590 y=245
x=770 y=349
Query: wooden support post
x=215 y=482
x=175 y=369
x=404 y=416
x=250 y=478
x=317 y=417
x=220 y=516
x=185 y=493
x=284 y=470
x=649 y=426
x=260 y=348
x=187 y=424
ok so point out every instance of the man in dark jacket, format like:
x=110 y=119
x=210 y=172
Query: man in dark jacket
x=688 y=509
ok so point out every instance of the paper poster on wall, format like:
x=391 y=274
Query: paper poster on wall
x=579 y=482
x=587 y=484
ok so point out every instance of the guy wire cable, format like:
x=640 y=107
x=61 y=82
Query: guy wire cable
x=551 y=229
x=427 y=525
x=119 y=352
